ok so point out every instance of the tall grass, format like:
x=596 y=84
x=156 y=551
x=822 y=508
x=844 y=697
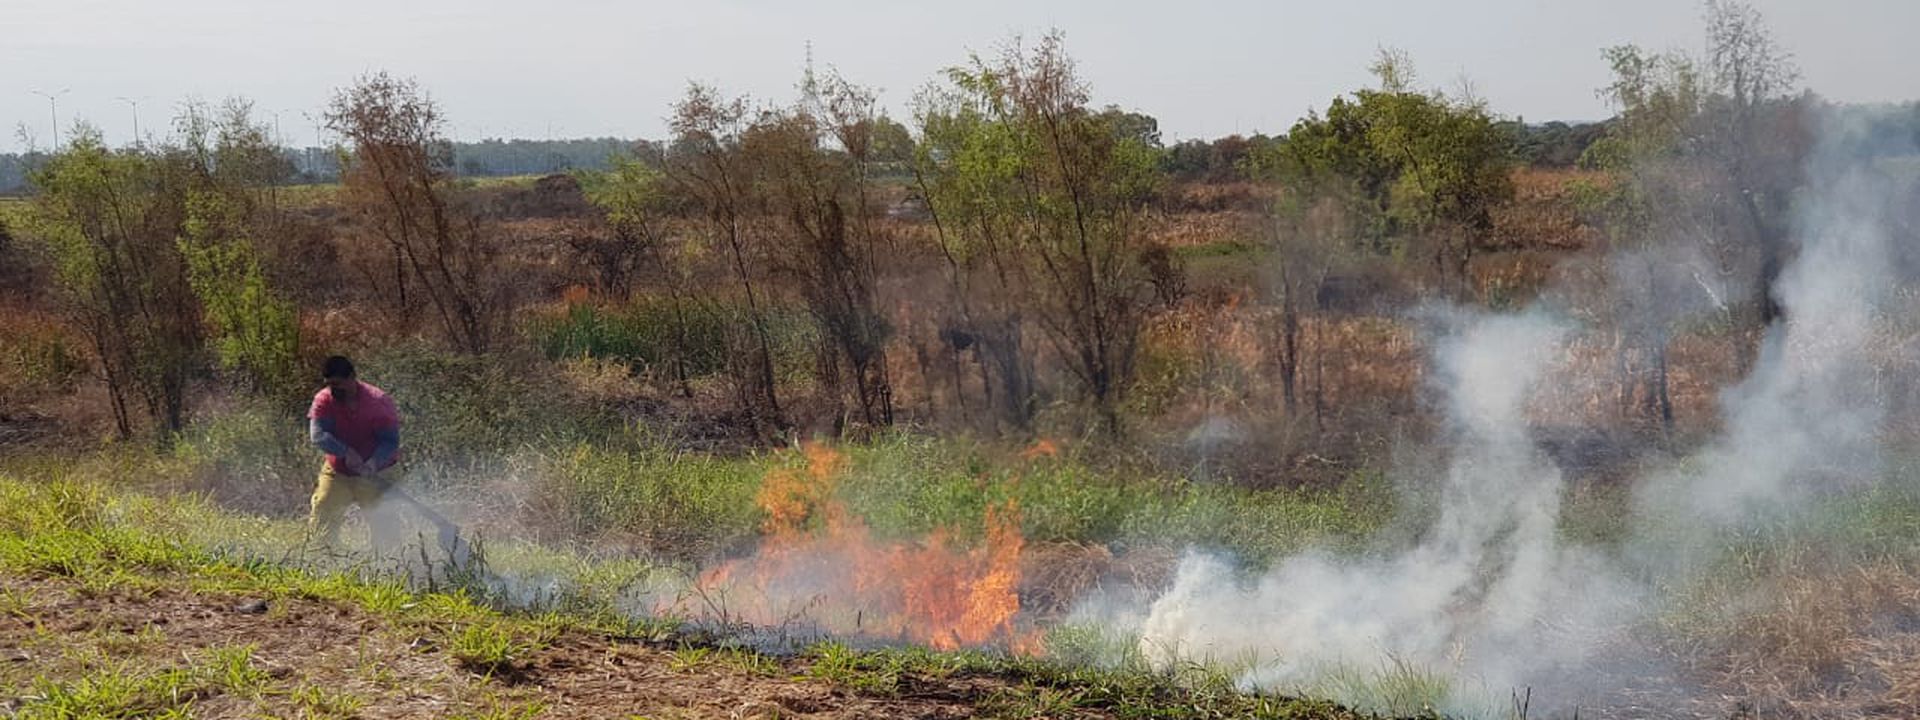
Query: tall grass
x=38 y=355
x=659 y=337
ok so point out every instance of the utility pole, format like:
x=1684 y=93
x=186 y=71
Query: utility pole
x=53 y=111
x=135 y=104
x=318 y=149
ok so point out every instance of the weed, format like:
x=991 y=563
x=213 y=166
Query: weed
x=748 y=662
x=687 y=658
x=18 y=603
x=122 y=644
x=113 y=692
x=318 y=702
x=233 y=670
x=836 y=663
x=1030 y=701
x=486 y=648
x=1095 y=646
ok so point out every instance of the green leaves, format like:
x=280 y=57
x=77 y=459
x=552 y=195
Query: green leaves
x=255 y=332
x=630 y=192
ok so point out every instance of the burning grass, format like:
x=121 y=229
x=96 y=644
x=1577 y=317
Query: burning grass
x=820 y=564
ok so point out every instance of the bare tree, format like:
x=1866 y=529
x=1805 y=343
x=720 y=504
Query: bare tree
x=1750 y=135
x=398 y=175
x=707 y=163
x=814 y=162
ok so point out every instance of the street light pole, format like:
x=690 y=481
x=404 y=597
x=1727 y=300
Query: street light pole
x=53 y=112
x=135 y=104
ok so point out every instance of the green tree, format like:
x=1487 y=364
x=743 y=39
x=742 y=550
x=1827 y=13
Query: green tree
x=254 y=331
x=1647 y=211
x=1405 y=166
x=109 y=219
x=1046 y=192
x=632 y=201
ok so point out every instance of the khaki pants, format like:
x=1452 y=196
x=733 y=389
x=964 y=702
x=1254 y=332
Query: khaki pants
x=333 y=493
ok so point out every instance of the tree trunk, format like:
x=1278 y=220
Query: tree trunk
x=1289 y=342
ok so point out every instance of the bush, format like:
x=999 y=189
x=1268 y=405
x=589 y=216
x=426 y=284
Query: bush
x=459 y=409
x=674 y=504
x=650 y=335
x=252 y=457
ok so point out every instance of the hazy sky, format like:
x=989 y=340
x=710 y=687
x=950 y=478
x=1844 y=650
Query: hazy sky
x=531 y=68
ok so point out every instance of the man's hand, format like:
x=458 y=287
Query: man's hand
x=353 y=463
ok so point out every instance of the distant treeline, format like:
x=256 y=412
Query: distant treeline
x=487 y=158
x=1551 y=145
x=492 y=157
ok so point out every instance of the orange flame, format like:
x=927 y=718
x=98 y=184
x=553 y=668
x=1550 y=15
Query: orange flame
x=1043 y=447
x=835 y=574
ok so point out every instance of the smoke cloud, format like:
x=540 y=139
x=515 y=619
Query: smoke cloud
x=1490 y=599
x=1468 y=600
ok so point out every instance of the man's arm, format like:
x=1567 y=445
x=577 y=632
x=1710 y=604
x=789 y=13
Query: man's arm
x=320 y=431
x=388 y=444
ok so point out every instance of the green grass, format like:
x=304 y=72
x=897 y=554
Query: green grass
x=1234 y=247
x=129 y=689
x=487 y=648
x=593 y=479
x=907 y=486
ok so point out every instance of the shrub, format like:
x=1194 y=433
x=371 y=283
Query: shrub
x=458 y=409
x=252 y=457
x=656 y=336
x=676 y=504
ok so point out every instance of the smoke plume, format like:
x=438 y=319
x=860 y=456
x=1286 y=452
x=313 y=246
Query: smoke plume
x=1490 y=598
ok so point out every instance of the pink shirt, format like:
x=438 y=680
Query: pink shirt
x=358 y=423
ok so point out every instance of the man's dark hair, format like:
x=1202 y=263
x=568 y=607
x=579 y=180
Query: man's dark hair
x=337 y=367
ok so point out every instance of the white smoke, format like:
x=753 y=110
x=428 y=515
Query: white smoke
x=1489 y=595
x=1810 y=409
x=1490 y=599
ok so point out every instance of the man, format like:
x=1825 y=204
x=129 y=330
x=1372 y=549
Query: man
x=358 y=427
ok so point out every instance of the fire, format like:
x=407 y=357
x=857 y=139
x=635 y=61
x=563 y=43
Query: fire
x=1041 y=448
x=819 y=564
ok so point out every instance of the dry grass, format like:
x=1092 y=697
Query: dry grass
x=1214 y=197
x=1818 y=641
x=1543 y=213
x=1201 y=229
